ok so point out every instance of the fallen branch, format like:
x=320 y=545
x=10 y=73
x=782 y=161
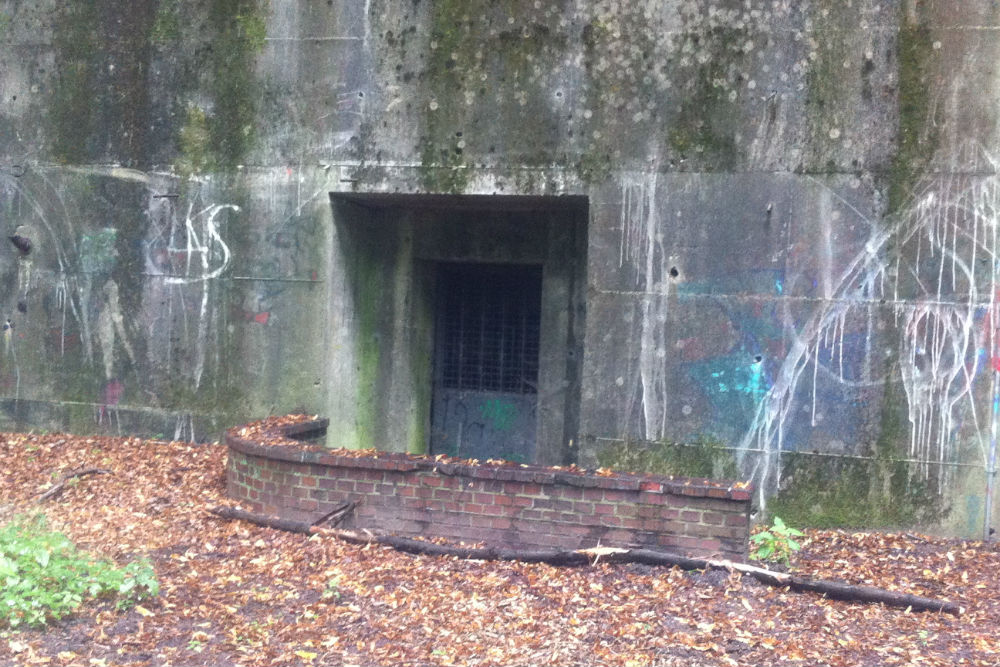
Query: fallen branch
x=57 y=488
x=338 y=514
x=832 y=589
x=289 y=525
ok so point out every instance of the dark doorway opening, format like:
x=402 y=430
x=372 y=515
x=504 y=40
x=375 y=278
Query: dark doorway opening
x=487 y=330
x=410 y=276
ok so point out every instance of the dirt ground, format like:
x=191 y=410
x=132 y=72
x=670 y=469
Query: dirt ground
x=237 y=594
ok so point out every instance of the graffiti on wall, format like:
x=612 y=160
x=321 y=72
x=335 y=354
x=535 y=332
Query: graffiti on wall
x=68 y=286
x=910 y=302
x=934 y=268
x=642 y=247
x=186 y=249
x=483 y=425
x=186 y=252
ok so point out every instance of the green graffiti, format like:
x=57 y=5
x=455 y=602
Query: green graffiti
x=97 y=251
x=748 y=381
x=500 y=414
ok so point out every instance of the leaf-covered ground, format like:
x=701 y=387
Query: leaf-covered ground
x=236 y=594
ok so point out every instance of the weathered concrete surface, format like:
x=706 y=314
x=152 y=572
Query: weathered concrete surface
x=789 y=241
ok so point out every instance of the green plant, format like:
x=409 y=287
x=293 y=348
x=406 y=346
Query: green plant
x=776 y=543
x=332 y=590
x=43 y=577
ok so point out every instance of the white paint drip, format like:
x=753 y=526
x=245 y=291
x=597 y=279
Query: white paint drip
x=111 y=328
x=642 y=246
x=942 y=265
x=189 y=255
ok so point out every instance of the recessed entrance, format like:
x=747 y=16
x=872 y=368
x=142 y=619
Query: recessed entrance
x=485 y=397
x=456 y=325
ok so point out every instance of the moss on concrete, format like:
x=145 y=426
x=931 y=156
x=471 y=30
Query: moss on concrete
x=71 y=112
x=828 y=82
x=421 y=366
x=853 y=493
x=877 y=491
x=918 y=135
x=167 y=24
x=484 y=68
x=703 y=128
x=238 y=32
x=195 y=144
x=705 y=457
x=683 y=89
x=368 y=298
x=99 y=108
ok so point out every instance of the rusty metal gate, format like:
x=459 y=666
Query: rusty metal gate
x=485 y=393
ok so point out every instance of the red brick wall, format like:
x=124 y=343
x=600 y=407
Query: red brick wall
x=503 y=505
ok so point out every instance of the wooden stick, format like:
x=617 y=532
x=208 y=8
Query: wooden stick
x=57 y=488
x=832 y=589
x=337 y=515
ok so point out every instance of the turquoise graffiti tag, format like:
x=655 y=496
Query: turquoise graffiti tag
x=499 y=413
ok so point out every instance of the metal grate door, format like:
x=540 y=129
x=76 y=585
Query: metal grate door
x=486 y=361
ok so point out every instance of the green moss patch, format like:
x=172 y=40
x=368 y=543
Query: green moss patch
x=706 y=457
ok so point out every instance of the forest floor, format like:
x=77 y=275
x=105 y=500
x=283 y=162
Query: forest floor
x=238 y=594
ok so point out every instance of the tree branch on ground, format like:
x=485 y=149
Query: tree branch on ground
x=831 y=589
x=58 y=487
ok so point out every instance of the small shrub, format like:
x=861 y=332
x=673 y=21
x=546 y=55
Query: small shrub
x=776 y=543
x=44 y=577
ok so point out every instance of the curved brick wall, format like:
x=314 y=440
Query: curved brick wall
x=501 y=504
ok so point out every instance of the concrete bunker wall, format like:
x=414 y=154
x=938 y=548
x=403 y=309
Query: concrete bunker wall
x=784 y=200
x=516 y=506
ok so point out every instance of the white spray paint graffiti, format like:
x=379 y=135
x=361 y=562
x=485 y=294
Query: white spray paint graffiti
x=73 y=261
x=935 y=266
x=921 y=288
x=642 y=246
x=188 y=254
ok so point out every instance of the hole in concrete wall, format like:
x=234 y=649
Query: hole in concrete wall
x=674 y=272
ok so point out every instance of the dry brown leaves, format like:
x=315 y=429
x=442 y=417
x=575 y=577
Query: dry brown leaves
x=236 y=594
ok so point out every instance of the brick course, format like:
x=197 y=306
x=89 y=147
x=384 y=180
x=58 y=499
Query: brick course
x=510 y=505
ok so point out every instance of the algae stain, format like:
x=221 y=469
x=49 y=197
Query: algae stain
x=918 y=136
x=706 y=456
x=167 y=24
x=483 y=67
x=71 y=111
x=240 y=29
x=194 y=144
x=442 y=167
x=875 y=492
x=367 y=300
x=99 y=108
x=828 y=82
